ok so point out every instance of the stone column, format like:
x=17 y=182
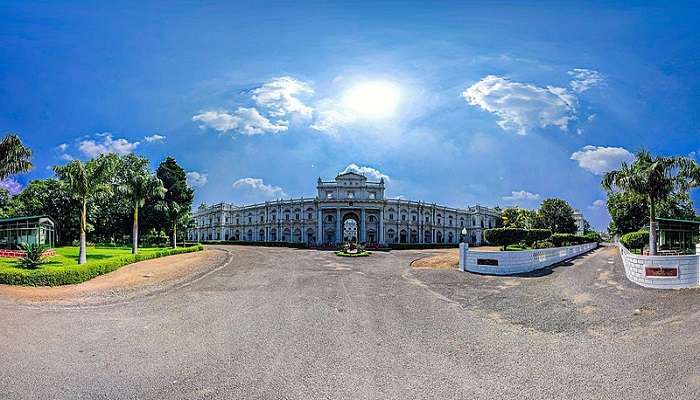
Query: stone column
x=319 y=226
x=338 y=233
x=381 y=225
x=363 y=232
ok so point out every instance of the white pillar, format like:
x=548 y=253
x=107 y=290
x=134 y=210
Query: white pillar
x=319 y=227
x=381 y=225
x=338 y=233
x=463 y=248
x=363 y=234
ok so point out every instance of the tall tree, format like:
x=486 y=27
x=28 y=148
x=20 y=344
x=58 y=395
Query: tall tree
x=15 y=157
x=557 y=215
x=174 y=180
x=84 y=181
x=654 y=178
x=176 y=215
x=139 y=188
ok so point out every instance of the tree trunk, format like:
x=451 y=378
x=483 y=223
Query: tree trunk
x=174 y=241
x=135 y=232
x=82 y=256
x=652 y=228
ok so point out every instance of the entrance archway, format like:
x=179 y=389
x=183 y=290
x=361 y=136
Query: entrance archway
x=351 y=227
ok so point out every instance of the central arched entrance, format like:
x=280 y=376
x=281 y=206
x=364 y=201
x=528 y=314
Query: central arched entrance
x=351 y=227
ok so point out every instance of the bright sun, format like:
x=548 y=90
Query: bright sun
x=373 y=99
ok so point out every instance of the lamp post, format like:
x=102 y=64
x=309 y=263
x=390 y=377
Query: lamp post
x=464 y=234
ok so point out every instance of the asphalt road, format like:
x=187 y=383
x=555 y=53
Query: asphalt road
x=277 y=323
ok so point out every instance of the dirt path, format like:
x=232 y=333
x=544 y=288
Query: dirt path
x=135 y=279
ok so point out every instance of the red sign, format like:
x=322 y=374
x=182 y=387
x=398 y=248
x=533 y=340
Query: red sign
x=661 y=272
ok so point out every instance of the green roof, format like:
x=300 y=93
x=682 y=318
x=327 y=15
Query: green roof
x=32 y=217
x=689 y=221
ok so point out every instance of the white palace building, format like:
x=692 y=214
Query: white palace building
x=349 y=208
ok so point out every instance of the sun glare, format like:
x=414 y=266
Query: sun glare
x=374 y=99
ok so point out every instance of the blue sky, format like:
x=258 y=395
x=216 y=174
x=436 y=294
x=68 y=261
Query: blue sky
x=472 y=103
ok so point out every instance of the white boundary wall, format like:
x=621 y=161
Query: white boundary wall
x=687 y=267
x=516 y=262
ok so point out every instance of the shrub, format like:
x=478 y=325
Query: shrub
x=504 y=236
x=635 y=240
x=535 y=235
x=34 y=255
x=71 y=274
x=545 y=244
x=568 y=239
x=593 y=236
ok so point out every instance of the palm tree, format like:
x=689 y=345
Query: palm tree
x=655 y=178
x=176 y=215
x=138 y=188
x=84 y=181
x=14 y=156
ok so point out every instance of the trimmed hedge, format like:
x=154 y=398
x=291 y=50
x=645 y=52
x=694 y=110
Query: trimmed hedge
x=635 y=240
x=66 y=275
x=505 y=236
x=537 y=235
x=568 y=239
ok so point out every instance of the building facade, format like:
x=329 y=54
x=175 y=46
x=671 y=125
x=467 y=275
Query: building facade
x=350 y=208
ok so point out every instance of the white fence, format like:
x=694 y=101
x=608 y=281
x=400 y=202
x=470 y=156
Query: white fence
x=661 y=272
x=516 y=262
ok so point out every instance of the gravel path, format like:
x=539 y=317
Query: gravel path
x=281 y=323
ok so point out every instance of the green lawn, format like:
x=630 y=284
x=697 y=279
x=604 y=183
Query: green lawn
x=63 y=268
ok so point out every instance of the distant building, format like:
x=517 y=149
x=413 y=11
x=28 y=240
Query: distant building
x=580 y=222
x=349 y=205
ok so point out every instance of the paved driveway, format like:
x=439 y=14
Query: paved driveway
x=283 y=323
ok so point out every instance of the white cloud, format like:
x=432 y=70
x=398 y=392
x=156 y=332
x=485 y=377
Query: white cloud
x=247 y=121
x=521 y=195
x=598 y=204
x=196 y=179
x=258 y=185
x=62 y=147
x=369 y=172
x=522 y=106
x=154 y=138
x=280 y=96
x=11 y=185
x=106 y=145
x=599 y=159
x=584 y=79
x=330 y=117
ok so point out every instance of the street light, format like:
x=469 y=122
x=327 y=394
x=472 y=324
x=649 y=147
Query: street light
x=464 y=234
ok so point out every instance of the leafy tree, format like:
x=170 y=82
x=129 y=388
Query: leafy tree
x=517 y=217
x=15 y=157
x=84 y=182
x=139 y=188
x=654 y=178
x=629 y=212
x=176 y=215
x=174 y=180
x=557 y=216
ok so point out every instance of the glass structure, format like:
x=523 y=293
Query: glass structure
x=29 y=230
x=677 y=236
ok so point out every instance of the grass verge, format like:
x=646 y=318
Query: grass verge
x=63 y=268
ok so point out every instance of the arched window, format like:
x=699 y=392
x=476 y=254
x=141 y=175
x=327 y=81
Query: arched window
x=372 y=218
x=261 y=236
